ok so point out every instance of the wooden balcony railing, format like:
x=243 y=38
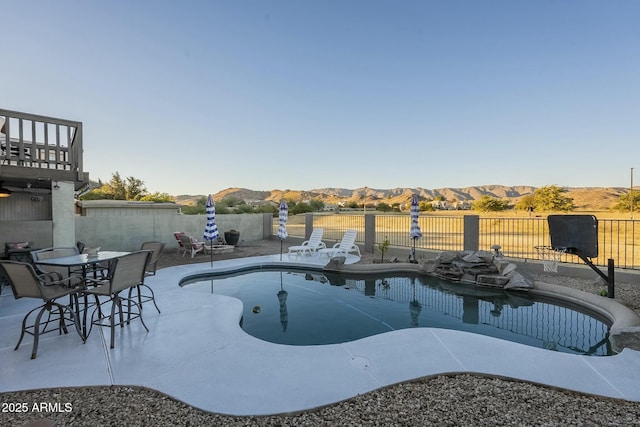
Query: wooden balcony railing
x=34 y=141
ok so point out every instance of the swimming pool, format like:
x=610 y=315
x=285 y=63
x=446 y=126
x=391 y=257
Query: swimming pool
x=303 y=307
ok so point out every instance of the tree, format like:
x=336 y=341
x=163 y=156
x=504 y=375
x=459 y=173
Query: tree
x=122 y=189
x=487 y=203
x=525 y=202
x=426 y=206
x=316 y=204
x=624 y=202
x=157 y=198
x=383 y=207
x=551 y=199
x=299 y=208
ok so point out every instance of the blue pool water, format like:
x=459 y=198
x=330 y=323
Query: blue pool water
x=312 y=308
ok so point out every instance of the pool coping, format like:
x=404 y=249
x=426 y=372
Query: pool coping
x=196 y=352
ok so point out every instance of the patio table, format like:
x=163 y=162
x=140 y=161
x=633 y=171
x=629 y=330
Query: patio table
x=84 y=261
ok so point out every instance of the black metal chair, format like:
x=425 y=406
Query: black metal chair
x=25 y=283
x=125 y=272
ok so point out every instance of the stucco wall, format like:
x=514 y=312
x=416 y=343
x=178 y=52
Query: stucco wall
x=38 y=232
x=62 y=211
x=126 y=233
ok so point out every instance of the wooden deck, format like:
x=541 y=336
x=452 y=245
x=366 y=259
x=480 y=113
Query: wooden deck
x=40 y=149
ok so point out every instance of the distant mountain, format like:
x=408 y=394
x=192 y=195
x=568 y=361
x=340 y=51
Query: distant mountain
x=585 y=198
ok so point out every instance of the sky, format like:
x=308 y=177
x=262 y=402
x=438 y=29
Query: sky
x=193 y=97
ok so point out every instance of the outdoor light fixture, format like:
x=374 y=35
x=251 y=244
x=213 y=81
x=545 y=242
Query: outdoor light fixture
x=4 y=193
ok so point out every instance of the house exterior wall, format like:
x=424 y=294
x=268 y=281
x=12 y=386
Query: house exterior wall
x=64 y=230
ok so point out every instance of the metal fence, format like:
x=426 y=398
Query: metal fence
x=518 y=237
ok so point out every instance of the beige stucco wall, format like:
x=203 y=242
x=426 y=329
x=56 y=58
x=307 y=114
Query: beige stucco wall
x=64 y=232
x=127 y=233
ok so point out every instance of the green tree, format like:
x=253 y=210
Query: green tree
x=118 y=189
x=487 y=203
x=316 y=204
x=525 y=202
x=426 y=206
x=157 y=198
x=268 y=208
x=623 y=204
x=231 y=201
x=551 y=199
x=299 y=208
x=383 y=207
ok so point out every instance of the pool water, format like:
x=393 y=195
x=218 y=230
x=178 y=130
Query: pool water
x=313 y=308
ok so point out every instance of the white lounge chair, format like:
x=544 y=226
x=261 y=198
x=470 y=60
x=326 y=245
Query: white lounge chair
x=346 y=246
x=191 y=245
x=312 y=245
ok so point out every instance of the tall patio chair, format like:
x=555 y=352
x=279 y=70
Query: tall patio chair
x=125 y=272
x=150 y=270
x=310 y=246
x=156 y=249
x=346 y=246
x=191 y=245
x=25 y=283
x=57 y=252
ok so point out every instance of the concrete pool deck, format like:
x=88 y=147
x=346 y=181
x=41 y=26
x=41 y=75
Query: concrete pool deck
x=196 y=352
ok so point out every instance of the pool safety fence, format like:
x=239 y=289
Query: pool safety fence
x=518 y=238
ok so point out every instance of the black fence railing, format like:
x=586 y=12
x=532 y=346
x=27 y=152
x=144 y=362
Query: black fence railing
x=618 y=239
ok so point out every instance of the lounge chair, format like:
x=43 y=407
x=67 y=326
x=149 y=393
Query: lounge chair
x=310 y=246
x=346 y=246
x=177 y=235
x=191 y=245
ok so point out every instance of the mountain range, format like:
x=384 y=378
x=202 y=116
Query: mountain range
x=584 y=198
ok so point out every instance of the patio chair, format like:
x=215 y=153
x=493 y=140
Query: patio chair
x=25 y=283
x=191 y=245
x=150 y=270
x=156 y=249
x=310 y=246
x=126 y=272
x=57 y=252
x=177 y=235
x=346 y=246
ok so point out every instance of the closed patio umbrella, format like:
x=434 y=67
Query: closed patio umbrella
x=211 y=229
x=282 y=223
x=414 y=231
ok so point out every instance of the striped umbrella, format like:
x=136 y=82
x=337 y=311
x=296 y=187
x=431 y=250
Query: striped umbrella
x=211 y=229
x=282 y=223
x=414 y=231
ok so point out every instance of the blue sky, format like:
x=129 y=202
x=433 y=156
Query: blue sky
x=197 y=96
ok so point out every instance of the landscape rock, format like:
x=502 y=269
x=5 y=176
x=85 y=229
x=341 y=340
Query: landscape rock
x=479 y=267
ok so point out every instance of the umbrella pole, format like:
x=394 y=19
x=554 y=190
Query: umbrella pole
x=211 y=251
x=413 y=253
x=280 y=249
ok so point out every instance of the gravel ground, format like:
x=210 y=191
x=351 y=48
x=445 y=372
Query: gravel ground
x=444 y=400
